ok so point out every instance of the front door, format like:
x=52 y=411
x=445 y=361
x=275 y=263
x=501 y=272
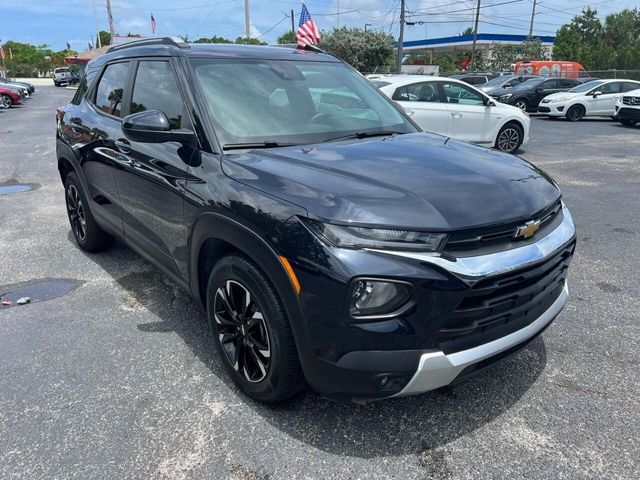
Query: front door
x=152 y=177
x=605 y=102
x=470 y=119
x=552 y=85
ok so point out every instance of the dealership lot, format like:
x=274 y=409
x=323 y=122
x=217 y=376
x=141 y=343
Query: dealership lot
x=118 y=377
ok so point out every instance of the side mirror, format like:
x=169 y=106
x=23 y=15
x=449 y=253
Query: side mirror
x=152 y=126
x=596 y=93
x=539 y=90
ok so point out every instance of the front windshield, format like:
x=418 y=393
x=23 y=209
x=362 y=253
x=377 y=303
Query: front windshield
x=585 y=87
x=529 y=84
x=496 y=82
x=292 y=102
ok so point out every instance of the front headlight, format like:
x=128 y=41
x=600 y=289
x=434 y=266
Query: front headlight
x=506 y=96
x=376 y=238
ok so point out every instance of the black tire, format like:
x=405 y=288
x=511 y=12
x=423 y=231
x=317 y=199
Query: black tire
x=6 y=100
x=89 y=236
x=255 y=329
x=575 y=113
x=522 y=104
x=56 y=84
x=627 y=122
x=509 y=138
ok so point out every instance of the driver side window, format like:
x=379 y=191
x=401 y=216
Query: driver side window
x=459 y=93
x=607 y=88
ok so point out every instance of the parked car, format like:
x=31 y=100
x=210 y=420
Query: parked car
x=328 y=239
x=62 y=76
x=30 y=88
x=20 y=89
x=475 y=78
x=528 y=94
x=627 y=110
x=591 y=98
x=551 y=68
x=503 y=83
x=9 y=97
x=453 y=108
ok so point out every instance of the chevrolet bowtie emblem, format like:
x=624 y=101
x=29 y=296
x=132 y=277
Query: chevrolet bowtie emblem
x=527 y=230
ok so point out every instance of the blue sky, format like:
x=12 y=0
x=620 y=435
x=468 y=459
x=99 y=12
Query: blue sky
x=55 y=22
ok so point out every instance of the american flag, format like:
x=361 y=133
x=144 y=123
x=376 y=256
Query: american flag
x=154 y=24
x=308 y=33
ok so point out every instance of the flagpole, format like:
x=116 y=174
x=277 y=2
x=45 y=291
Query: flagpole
x=95 y=17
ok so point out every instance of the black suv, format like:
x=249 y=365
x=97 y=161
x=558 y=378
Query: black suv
x=329 y=240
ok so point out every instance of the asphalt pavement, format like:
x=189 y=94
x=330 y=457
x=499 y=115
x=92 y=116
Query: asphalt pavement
x=111 y=373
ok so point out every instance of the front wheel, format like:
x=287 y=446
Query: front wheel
x=6 y=101
x=509 y=138
x=575 y=113
x=251 y=331
x=628 y=122
x=522 y=104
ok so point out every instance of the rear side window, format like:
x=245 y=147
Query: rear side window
x=459 y=93
x=156 y=88
x=628 y=86
x=418 y=92
x=110 y=90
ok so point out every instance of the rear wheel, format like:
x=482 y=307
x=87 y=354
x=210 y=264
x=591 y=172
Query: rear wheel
x=252 y=332
x=522 y=104
x=575 y=113
x=628 y=122
x=89 y=236
x=509 y=138
x=6 y=101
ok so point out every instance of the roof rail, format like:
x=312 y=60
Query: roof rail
x=172 y=41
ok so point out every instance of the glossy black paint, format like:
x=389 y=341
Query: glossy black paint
x=534 y=91
x=184 y=206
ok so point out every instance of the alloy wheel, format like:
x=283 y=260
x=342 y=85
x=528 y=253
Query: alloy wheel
x=522 y=105
x=242 y=331
x=6 y=101
x=508 y=139
x=75 y=209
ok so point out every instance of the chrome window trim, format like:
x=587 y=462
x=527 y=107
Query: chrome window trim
x=472 y=269
x=436 y=369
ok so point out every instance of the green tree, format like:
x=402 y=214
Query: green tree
x=249 y=41
x=466 y=31
x=504 y=55
x=105 y=38
x=582 y=41
x=621 y=35
x=366 y=51
x=214 y=39
x=287 y=37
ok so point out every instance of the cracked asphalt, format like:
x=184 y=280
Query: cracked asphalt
x=117 y=378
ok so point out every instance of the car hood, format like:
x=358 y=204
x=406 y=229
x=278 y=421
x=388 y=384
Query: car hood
x=421 y=181
x=554 y=96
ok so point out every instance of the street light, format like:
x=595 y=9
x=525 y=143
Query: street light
x=367 y=25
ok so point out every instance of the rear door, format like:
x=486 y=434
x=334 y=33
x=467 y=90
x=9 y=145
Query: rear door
x=469 y=118
x=423 y=103
x=552 y=85
x=151 y=176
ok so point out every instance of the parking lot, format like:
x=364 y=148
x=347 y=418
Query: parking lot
x=117 y=378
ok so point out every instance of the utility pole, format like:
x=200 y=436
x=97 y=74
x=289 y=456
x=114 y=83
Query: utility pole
x=293 y=27
x=247 y=21
x=475 y=38
x=533 y=14
x=367 y=25
x=97 y=41
x=338 y=13
x=401 y=38
x=112 y=28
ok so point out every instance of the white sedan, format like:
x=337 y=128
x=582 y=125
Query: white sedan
x=456 y=109
x=597 y=98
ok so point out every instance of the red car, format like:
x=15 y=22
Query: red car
x=8 y=98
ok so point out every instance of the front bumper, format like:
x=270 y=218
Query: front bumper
x=627 y=113
x=553 y=109
x=405 y=355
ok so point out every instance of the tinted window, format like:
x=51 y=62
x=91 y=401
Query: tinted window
x=475 y=80
x=155 y=88
x=110 y=89
x=418 y=92
x=567 y=83
x=628 y=86
x=458 y=93
x=585 y=87
x=607 y=88
x=550 y=84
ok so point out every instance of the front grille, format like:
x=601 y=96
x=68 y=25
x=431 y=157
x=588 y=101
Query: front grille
x=500 y=305
x=544 y=109
x=631 y=100
x=485 y=240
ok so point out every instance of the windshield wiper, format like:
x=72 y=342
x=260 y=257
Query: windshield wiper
x=383 y=133
x=244 y=146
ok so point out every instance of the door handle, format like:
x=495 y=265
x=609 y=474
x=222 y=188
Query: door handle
x=123 y=145
x=456 y=115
